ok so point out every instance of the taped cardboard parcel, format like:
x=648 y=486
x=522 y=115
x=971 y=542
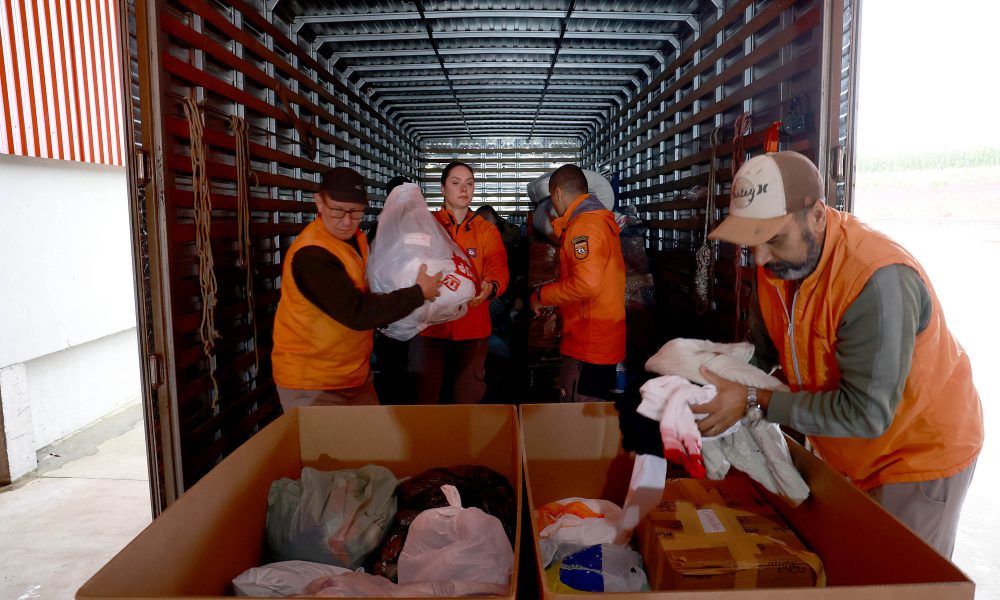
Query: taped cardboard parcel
x=575 y=450
x=215 y=531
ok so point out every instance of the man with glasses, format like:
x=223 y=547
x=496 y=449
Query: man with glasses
x=323 y=329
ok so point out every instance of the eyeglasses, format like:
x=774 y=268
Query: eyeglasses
x=338 y=213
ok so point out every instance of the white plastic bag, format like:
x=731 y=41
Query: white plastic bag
x=332 y=517
x=572 y=524
x=409 y=236
x=362 y=585
x=456 y=544
x=282 y=579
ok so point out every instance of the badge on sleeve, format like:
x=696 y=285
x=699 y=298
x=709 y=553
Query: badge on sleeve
x=580 y=247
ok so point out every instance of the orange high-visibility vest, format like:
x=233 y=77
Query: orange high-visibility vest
x=313 y=351
x=937 y=430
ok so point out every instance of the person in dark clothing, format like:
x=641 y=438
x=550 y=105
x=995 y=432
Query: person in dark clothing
x=323 y=329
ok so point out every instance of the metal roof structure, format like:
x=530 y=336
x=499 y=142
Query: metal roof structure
x=496 y=68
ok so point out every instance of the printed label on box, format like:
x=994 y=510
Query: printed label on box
x=710 y=522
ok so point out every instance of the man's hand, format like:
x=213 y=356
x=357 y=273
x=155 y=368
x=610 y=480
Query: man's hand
x=728 y=406
x=484 y=294
x=430 y=285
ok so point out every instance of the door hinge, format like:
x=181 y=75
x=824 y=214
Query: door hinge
x=142 y=175
x=155 y=371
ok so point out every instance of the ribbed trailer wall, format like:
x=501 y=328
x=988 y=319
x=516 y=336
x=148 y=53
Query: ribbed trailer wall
x=234 y=62
x=760 y=58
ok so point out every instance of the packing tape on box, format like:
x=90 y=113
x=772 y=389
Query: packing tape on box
x=705 y=511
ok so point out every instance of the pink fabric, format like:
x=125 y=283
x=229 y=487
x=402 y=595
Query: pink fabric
x=668 y=399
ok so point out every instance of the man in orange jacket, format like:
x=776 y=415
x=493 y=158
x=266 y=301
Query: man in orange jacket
x=323 y=330
x=878 y=383
x=590 y=290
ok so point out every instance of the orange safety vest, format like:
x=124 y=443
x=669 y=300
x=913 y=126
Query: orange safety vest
x=937 y=430
x=484 y=247
x=590 y=291
x=313 y=351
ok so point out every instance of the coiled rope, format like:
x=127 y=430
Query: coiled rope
x=203 y=239
x=244 y=241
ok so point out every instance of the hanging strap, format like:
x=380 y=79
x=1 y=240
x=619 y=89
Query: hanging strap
x=203 y=240
x=704 y=257
x=742 y=127
x=244 y=242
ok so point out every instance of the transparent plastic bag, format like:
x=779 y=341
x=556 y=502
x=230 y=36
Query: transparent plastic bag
x=456 y=544
x=332 y=517
x=409 y=236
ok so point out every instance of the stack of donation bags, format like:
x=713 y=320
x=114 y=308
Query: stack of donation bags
x=363 y=533
x=410 y=236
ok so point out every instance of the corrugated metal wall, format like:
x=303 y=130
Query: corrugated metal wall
x=60 y=80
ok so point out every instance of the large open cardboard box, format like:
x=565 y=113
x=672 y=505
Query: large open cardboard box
x=575 y=450
x=215 y=531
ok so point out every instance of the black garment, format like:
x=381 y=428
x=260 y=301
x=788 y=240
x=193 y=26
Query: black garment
x=324 y=281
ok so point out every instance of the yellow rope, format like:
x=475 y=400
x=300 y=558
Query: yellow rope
x=203 y=239
x=244 y=241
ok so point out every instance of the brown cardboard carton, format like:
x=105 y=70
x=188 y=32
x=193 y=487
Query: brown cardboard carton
x=575 y=450
x=708 y=535
x=215 y=531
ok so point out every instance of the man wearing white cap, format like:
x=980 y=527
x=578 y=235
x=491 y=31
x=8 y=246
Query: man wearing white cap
x=878 y=383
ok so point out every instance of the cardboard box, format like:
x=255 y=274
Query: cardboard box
x=575 y=450
x=215 y=531
x=716 y=535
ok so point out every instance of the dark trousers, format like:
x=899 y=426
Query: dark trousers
x=585 y=382
x=462 y=361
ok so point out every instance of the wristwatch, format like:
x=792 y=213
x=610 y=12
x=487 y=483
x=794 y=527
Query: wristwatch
x=753 y=407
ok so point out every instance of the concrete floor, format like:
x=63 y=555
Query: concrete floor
x=89 y=497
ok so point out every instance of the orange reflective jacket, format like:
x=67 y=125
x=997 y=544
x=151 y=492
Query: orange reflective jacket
x=483 y=245
x=937 y=430
x=590 y=291
x=312 y=351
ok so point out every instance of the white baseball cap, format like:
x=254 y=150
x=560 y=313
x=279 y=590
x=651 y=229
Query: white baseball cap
x=767 y=190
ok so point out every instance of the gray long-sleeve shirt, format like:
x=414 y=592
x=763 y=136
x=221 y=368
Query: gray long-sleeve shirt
x=874 y=349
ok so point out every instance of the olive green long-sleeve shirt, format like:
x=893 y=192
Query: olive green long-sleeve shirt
x=874 y=349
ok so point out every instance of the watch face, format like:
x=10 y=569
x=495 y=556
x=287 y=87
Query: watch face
x=754 y=414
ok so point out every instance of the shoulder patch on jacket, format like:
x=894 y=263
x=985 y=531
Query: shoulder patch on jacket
x=581 y=247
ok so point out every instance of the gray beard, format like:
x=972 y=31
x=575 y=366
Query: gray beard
x=790 y=271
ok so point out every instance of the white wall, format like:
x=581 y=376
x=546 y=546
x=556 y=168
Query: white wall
x=65 y=256
x=68 y=350
x=82 y=384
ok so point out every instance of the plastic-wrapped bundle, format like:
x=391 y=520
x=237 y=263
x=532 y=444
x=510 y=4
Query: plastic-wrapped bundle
x=479 y=487
x=538 y=192
x=409 y=236
x=543 y=267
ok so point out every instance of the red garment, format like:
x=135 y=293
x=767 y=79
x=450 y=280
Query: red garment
x=483 y=246
x=937 y=430
x=590 y=291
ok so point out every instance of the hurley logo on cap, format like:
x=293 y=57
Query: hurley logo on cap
x=746 y=191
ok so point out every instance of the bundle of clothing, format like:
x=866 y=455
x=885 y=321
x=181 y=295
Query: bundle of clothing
x=752 y=445
x=409 y=236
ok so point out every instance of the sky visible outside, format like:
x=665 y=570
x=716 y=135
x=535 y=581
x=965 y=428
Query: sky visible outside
x=929 y=76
